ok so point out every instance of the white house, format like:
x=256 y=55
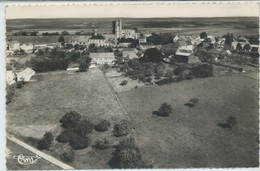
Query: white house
x=102 y=58
x=10 y=77
x=27 y=47
x=25 y=75
x=98 y=40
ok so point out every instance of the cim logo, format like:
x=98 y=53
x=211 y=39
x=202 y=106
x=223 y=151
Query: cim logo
x=26 y=160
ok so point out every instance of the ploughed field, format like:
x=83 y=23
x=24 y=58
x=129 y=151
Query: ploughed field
x=190 y=136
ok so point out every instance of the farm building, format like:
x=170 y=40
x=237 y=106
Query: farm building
x=98 y=40
x=27 y=47
x=25 y=75
x=185 y=55
x=10 y=77
x=13 y=45
x=129 y=55
x=103 y=58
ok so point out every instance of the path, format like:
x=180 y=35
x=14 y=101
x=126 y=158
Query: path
x=39 y=153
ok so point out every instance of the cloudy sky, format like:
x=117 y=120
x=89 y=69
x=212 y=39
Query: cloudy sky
x=132 y=10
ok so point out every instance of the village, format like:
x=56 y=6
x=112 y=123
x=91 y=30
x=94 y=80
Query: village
x=164 y=92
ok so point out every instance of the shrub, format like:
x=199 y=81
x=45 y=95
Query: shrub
x=78 y=142
x=127 y=155
x=202 y=71
x=102 y=144
x=70 y=119
x=19 y=84
x=102 y=126
x=46 y=141
x=121 y=128
x=67 y=156
x=9 y=93
x=123 y=83
x=179 y=70
x=165 y=110
x=230 y=122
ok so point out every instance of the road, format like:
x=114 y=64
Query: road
x=39 y=153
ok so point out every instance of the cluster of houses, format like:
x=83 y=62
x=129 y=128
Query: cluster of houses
x=24 y=75
x=186 y=45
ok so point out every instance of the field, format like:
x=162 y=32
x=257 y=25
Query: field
x=215 y=26
x=12 y=164
x=39 y=106
x=190 y=136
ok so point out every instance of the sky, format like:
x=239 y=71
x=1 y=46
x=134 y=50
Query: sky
x=132 y=10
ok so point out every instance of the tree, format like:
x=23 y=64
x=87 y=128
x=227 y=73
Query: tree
x=83 y=127
x=165 y=109
x=105 y=67
x=67 y=156
x=202 y=71
x=239 y=46
x=61 y=39
x=79 y=142
x=160 y=70
x=152 y=55
x=102 y=126
x=102 y=144
x=127 y=155
x=46 y=141
x=84 y=64
x=122 y=128
x=203 y=35
x=70 y=119
x=247 y=47
x=65 y=33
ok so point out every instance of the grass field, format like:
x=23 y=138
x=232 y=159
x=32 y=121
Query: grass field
x=15 y=150
x=190 y=137
x=39 y=106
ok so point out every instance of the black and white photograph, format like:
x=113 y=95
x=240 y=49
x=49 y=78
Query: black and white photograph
x=132 y=86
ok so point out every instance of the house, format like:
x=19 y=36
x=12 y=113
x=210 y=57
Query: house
x=98 y=40
x=13 y=45
x=10 y=77
x=142 y=39
x=129 y=55
x=185 y=55
x=103 y=58
x=25 y=75
x=27 y=47
x=80 y=40
x=209 y=42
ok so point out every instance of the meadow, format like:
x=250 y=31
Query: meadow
x=39 y=105
x=190 y=136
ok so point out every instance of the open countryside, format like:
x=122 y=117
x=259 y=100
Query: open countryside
x=134 y=92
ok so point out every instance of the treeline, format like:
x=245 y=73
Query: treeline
x=52 y=60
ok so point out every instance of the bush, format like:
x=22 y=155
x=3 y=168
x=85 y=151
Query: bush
x=102 y=144
x=180 y=70
x=70 y=119
x=46 y=141
x=202 y=71
x=123 y=83
x=19 y=84
x=165 y=110
x=9 y=93
x=122 y=128
x=67 y=156
x=230 y=122
x=127 y=155
x=192 y=102
x=79 y=142
x=102 y=126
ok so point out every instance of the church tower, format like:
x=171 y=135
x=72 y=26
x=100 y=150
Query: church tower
x=117 y=28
